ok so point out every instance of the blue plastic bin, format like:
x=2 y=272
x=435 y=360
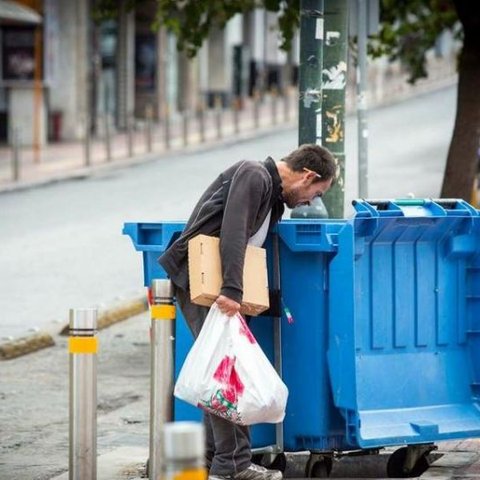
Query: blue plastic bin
x=384 y=346
x=404 y=318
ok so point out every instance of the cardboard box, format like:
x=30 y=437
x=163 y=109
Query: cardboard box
x=205 y=272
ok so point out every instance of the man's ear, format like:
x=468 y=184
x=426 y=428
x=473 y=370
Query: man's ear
x=309 y=177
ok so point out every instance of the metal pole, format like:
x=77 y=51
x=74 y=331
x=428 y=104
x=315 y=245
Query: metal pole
x=256 y=108
x=87 y=143
x=37 y=94
x=16 y=154
x=184 y=445
x=201 y=121
x=83 y=347
x=310 y=71
x=130 y=121
x=185 y=116
x=286 y=105
x=277 y=334
x=235 y=112
x=108 y=140
x=162 y=370
x=310 y=99
x=362 y=99
x=274 y=98
x=218 y=116
x=334 y=82
x=166 y=125
x=148 y=129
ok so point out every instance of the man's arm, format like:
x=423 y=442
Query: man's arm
x=246 y=194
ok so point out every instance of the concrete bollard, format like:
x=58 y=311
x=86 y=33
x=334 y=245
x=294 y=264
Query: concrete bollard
x=162 y=370
x=83 y=347
x=184 y=445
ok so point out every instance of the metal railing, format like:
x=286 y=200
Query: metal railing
x=146 y=136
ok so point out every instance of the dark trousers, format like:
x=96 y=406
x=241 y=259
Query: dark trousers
x=228 y=444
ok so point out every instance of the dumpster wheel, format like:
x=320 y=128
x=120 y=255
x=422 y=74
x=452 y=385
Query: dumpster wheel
x=409 y=461
x=318 y=466
x=280 y=463
x=272 y=461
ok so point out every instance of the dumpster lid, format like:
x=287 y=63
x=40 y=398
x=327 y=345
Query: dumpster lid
x=404 y=356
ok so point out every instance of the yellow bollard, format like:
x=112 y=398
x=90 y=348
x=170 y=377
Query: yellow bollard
x=83 y=348
x=162 y=313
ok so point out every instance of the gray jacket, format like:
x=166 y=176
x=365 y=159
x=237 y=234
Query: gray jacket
x=233 y=208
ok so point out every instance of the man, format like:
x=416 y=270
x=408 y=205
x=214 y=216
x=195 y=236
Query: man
x=239 y=207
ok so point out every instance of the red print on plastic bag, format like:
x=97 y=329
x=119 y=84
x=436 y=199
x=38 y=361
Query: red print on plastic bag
x=244 y=330
x=224 y=400
x=228 y=376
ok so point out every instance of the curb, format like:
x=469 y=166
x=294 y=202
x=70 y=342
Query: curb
x=40 y=340
x=82 y=173
x=116 y=314
x=23 y=345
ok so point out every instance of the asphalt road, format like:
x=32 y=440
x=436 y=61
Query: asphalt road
x=62 y=247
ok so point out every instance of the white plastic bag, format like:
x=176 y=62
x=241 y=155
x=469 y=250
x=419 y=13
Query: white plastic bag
x=226 y=373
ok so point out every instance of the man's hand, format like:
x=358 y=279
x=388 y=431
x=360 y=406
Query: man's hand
x=227 y=305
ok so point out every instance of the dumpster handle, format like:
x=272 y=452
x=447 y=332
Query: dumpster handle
x=382 y=204
x=409 y=202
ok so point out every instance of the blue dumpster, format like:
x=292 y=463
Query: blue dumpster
x=384 y=344
x=403 y=342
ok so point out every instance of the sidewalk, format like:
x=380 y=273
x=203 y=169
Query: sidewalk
x=145 y=142
x=461 y=459
x=457 y=460
x=35 y=434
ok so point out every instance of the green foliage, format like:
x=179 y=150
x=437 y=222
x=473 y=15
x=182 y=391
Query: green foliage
x=192 y=20
x=289 y=21
x=410 y=28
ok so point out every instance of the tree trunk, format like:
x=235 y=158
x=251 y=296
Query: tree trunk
x=463 y=153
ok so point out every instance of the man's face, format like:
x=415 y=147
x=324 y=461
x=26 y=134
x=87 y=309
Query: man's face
x=305 y=189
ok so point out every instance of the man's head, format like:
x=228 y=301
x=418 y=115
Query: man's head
x=306 y=173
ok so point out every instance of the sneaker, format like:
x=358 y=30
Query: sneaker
x=253 y=472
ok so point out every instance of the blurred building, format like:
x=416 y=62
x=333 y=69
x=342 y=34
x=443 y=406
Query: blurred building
x=61 y=72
